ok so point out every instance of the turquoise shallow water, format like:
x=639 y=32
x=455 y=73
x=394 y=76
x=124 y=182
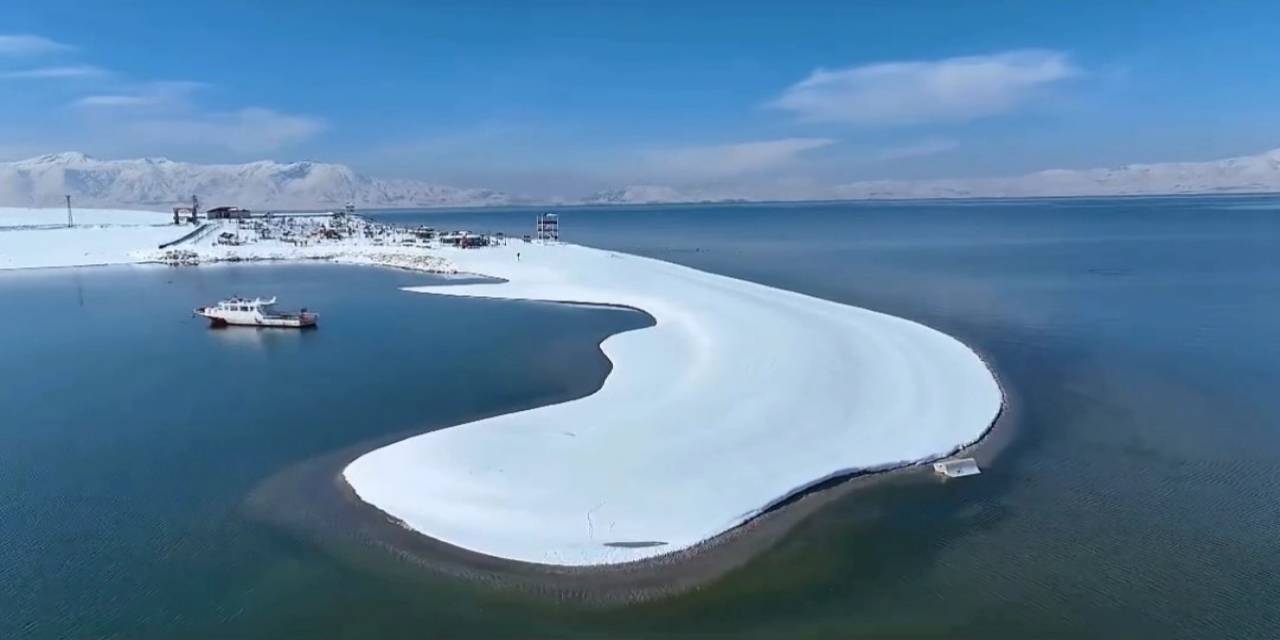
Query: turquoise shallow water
x=1137 y=497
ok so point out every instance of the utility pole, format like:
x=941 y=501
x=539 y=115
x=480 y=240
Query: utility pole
x=70 y=220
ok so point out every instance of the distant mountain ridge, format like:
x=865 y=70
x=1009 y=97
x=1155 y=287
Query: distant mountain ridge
x=158 y=183
x=1242 y=174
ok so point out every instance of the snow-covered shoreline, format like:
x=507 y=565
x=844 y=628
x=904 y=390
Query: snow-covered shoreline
x=740 y=396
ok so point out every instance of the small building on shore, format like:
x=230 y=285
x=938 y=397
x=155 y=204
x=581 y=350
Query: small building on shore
x=463 y=239
x=227 y=213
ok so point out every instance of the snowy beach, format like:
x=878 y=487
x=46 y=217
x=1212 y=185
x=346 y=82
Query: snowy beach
x=740 y=396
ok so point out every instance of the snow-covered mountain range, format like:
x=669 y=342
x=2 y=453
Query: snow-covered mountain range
x=158 y=183
x=654 y=194
x=1243 y=174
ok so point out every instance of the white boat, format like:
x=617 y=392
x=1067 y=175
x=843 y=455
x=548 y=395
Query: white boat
x=258 y=312
x=957 y=468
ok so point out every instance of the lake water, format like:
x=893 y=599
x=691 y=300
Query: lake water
x=1138 y=495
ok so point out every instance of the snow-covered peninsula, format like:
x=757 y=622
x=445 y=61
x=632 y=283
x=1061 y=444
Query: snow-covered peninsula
x=738 y=397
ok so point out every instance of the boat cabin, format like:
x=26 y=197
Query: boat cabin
x=245 y=304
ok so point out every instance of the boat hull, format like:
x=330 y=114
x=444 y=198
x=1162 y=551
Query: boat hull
x=298 y=321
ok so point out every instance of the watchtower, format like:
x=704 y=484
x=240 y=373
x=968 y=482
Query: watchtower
x=548 y=227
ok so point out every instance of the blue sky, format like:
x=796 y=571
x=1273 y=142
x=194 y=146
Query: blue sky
x=565 y=98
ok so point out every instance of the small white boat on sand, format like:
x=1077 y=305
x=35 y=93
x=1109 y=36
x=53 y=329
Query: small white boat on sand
x=256 y=312
x=956 y=468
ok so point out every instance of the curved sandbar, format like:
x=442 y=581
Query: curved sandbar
x=738 y=397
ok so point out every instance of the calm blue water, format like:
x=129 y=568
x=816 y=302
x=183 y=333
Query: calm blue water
x=1139 y=495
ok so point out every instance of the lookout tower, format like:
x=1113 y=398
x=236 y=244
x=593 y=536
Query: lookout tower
x=548 y=227
x=192 y=211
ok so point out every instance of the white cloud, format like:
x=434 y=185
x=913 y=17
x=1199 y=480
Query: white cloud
x=151 y=94
x=157 y=114
x=54 y=73
x=948 y=90
x=250 y=130
x=24 y=45
x=166 y=115
x=116 y=101
x=729 y=160
x=920 y=149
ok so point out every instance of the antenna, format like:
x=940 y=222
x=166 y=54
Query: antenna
x=70 y=220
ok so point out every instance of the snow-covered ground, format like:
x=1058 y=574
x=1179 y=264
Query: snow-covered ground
x=37 y=238
x=33 y=238
x=740 y=395
x=301 y=238
x=57 y=217
x=77 y=247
